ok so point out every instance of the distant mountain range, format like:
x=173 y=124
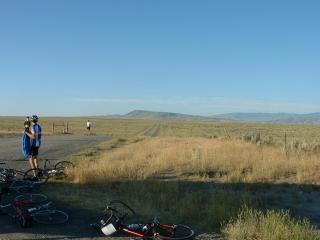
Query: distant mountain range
x=311 y=118
x=140 y=114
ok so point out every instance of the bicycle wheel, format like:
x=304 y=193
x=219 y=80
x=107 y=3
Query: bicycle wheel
x=121 y=210
x=50 y=217
x=22 y=186
x=174 y=232
x=31 y=198
x=42 y=175
x=63 y=168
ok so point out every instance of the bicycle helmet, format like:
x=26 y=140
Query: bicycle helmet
x=34 y=118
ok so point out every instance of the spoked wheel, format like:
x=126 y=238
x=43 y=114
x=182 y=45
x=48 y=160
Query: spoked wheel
x=174 y=232
x=50 y=217
x=41 y=175
x=62 y=169
x=32 y=198
x=23 y=186
x=121 y=210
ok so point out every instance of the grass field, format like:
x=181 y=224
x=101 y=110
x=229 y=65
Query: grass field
x=200 y=159
x=197 y=181
x=77 y=125
x=273 y=133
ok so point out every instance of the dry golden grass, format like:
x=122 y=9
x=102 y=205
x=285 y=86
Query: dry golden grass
x=200 y=159
x=272 y=225
x=77 y=125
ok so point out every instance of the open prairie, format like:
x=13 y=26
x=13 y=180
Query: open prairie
x=235 y=180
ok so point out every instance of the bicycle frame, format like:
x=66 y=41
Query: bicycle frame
x=23 y=209
x=10 y=173
x=148 y=234
x=50 y=171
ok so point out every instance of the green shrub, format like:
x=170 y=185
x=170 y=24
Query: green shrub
x=272 y=225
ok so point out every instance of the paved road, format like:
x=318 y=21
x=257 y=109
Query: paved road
x=53 y=147
x=153 y=131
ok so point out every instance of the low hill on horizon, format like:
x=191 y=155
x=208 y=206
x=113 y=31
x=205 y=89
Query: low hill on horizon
x=143 y=114
x=310 y=118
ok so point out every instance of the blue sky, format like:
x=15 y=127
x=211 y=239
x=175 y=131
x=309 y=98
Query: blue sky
x=198 y=57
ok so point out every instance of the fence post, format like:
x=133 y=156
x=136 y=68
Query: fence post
x=52 y=128
x=285 y=140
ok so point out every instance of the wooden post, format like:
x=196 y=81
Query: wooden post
x=67 y=127
x=285 y=140
x=52 y=128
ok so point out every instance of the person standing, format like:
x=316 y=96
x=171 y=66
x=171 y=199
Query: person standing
x=26 y=139
x=35 y=135
x=88 y=126
x=27 y=124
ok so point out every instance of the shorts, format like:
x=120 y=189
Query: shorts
x=34 y=151
x=88 y=128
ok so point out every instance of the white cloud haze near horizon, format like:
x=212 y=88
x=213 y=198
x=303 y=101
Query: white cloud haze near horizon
x=97 y=106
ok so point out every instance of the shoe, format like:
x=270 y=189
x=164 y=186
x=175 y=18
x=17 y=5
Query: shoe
x=35 y=179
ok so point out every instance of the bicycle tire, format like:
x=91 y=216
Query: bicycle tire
x=62 y=169
x=50 y=217
x=122 y=210
x=32 y=198
x=174 y=232
x=26 y=222
x=42 y=175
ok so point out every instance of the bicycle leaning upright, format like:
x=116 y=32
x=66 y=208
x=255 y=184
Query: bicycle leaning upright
x=59 y=171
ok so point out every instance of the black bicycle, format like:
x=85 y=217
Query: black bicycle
x=9 y=174
x=58 y=171
x=116 y=218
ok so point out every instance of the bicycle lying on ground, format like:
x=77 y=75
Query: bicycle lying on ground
x=59 y=171
x=19 y=186
x=30 y=208
x=115 y=220
x=9 y=174
x=10 y=182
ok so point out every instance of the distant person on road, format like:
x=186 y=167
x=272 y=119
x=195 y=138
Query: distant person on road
x=88 y=126
x=35 y=136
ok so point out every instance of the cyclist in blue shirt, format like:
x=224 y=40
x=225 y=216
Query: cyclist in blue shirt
x=35 y=136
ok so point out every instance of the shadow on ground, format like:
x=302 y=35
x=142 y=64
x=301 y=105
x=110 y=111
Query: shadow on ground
x=203 y=206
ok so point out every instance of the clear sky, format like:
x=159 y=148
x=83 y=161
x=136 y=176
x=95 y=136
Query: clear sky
x=203 y=57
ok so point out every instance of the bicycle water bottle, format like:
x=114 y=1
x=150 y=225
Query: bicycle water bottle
x=134 y=226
